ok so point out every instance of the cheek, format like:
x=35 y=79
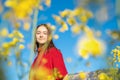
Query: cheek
x=46 y=37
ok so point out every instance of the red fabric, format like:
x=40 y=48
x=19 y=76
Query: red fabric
x=52 y=59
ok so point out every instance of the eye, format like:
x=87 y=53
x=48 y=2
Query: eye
x=45 y=33
x=38 y=33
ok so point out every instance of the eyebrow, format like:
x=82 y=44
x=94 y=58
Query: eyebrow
x=40 y=31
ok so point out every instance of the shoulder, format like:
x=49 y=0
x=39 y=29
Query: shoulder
x=55 y=51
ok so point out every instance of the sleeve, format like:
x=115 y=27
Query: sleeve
x=59 y=66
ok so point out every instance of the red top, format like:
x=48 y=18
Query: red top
x=50 y=60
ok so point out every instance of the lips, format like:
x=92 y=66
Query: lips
x=40 y=39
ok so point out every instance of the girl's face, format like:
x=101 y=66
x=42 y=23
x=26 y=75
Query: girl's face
x=42 y=34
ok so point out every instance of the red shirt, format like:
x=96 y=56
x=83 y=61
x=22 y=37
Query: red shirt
x=50 y=60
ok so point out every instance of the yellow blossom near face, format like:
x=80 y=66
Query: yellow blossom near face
x=48 y=2
x=4 y=32
x=21 y=46
x=103 y=76
x=82 y=75
x=5 y=45
x=65 y=13
x=26 y=26
x=53 y=27
x=55 y=36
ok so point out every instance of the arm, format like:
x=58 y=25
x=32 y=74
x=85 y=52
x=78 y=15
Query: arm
x=58 y=64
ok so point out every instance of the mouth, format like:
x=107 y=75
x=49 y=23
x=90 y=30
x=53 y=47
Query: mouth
x=40 y=39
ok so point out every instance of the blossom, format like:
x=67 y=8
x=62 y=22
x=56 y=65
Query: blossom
x=71 y=20
x=90 y=46
x=76 y=28
x=22 y=9
x=4 y=32
x=21 y=46
x=26 y=26
x=103 y=76
x=48 y=2
x=65 y=13
x=82 y=75
x=55 y=36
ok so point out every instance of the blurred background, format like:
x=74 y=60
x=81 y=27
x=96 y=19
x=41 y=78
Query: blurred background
x=87 y=32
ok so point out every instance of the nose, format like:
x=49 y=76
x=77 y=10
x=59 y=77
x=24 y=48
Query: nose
x=41 y=36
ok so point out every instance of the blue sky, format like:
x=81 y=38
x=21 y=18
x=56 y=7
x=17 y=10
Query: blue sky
x=67 y=41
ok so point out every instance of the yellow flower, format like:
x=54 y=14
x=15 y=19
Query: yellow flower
x=90 y=46
x=11 y=3
x=4 y=32
x=89 y=14
x=78 y=11
x=71 y=21
x=26 y=26
x=84 y=53
x=82 y=75
x=88 y=32
x=53 y=27
x=48 y=2
x=65 y=13
x=103 y=76
x=76 y=29
x=21 y=46
x=64 y=26
x=17 y=25
x=6 y=52
x=83 y=18
x=10 y=35
x=20 y=35
x=22 y=8
x=5 y=45
x=9 y=63
x=58 y=19
x=55 y=36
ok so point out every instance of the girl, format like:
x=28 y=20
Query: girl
x=49 y=64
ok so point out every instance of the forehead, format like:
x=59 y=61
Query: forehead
x=42 y=28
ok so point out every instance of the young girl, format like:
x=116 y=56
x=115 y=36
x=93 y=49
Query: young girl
x=49 y=64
